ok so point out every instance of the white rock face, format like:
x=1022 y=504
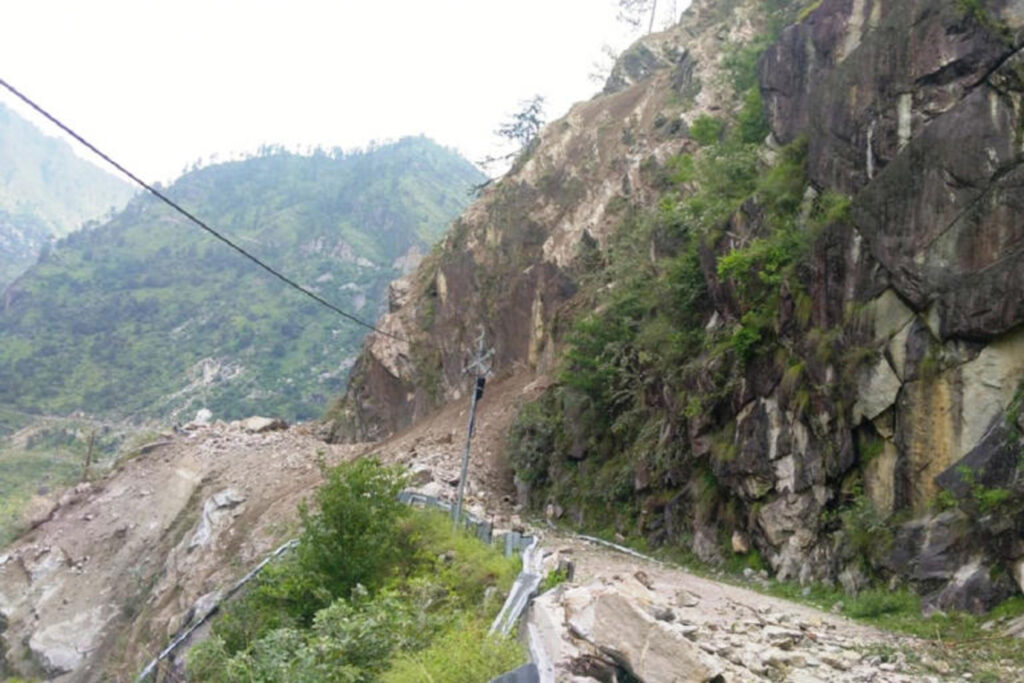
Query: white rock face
x=898 y=350
x=876 y=391
x=216 y=514
x=989 y=383
x=1018 y=573
x=60 y=648
x=890 y=314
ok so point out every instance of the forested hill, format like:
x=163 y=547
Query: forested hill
x=147 y=315
x=45 y=190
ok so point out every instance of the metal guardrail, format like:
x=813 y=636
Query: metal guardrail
x=203 y=618
x=524 y=588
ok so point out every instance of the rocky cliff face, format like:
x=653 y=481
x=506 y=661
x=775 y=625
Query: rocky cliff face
x=509 y=264
x=914 y=110
x=882 y=379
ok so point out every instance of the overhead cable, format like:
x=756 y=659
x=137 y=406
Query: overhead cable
x=160 y=195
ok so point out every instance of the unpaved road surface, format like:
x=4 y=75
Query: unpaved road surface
x=741 y=634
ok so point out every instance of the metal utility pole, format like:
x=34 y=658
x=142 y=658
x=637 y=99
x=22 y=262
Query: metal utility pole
x=479 y=367
x=88 y=456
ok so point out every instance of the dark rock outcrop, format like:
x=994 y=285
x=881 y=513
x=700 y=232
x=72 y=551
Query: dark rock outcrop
x=913 y=108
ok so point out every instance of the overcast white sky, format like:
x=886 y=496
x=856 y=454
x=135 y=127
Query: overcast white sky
x=161 y=84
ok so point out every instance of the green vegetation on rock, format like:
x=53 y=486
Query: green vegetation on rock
x=732 y=232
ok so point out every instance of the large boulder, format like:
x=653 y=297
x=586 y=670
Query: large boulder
x=61 y=648
x=992 y=464
x=652 y=650
x=259 y=425
x=941 y=558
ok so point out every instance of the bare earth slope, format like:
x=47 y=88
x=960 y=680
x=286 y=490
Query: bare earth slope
x=117 y=567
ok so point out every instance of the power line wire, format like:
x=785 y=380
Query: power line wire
x=152 y=190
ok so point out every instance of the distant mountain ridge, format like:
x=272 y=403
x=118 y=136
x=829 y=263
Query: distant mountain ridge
x=46 y=191
x=147 y=316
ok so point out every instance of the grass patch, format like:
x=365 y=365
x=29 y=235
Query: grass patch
x=463 y=653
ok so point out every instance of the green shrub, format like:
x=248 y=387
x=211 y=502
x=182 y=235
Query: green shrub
x=458 y=565
x=351 y=537
x=740 y=63
x=349 y=641
x=871 y=604
x=832 y=207
x=428 y=577
x=531 y=440
x=751 y=122
x=553 y=579
x=868 y=533
x=747 y=336
x=680 y=169
x=707 y=130
x=463 y=654
x=735 y=563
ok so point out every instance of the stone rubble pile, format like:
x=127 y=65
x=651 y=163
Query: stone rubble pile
x=627 y=624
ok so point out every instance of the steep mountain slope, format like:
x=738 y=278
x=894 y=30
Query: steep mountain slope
x=146 y=316
x=46 y=191
x=775 y=272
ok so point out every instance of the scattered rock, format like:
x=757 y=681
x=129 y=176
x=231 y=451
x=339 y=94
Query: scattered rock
x=76 y=494
x=685 y=598
x=662 y=613
x=260 y=425
x=782 y=638
x=740 y=543
x=641 y=576
x=419 y=475
x=1015 y=628
x=835 y=661
x=937 y=665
